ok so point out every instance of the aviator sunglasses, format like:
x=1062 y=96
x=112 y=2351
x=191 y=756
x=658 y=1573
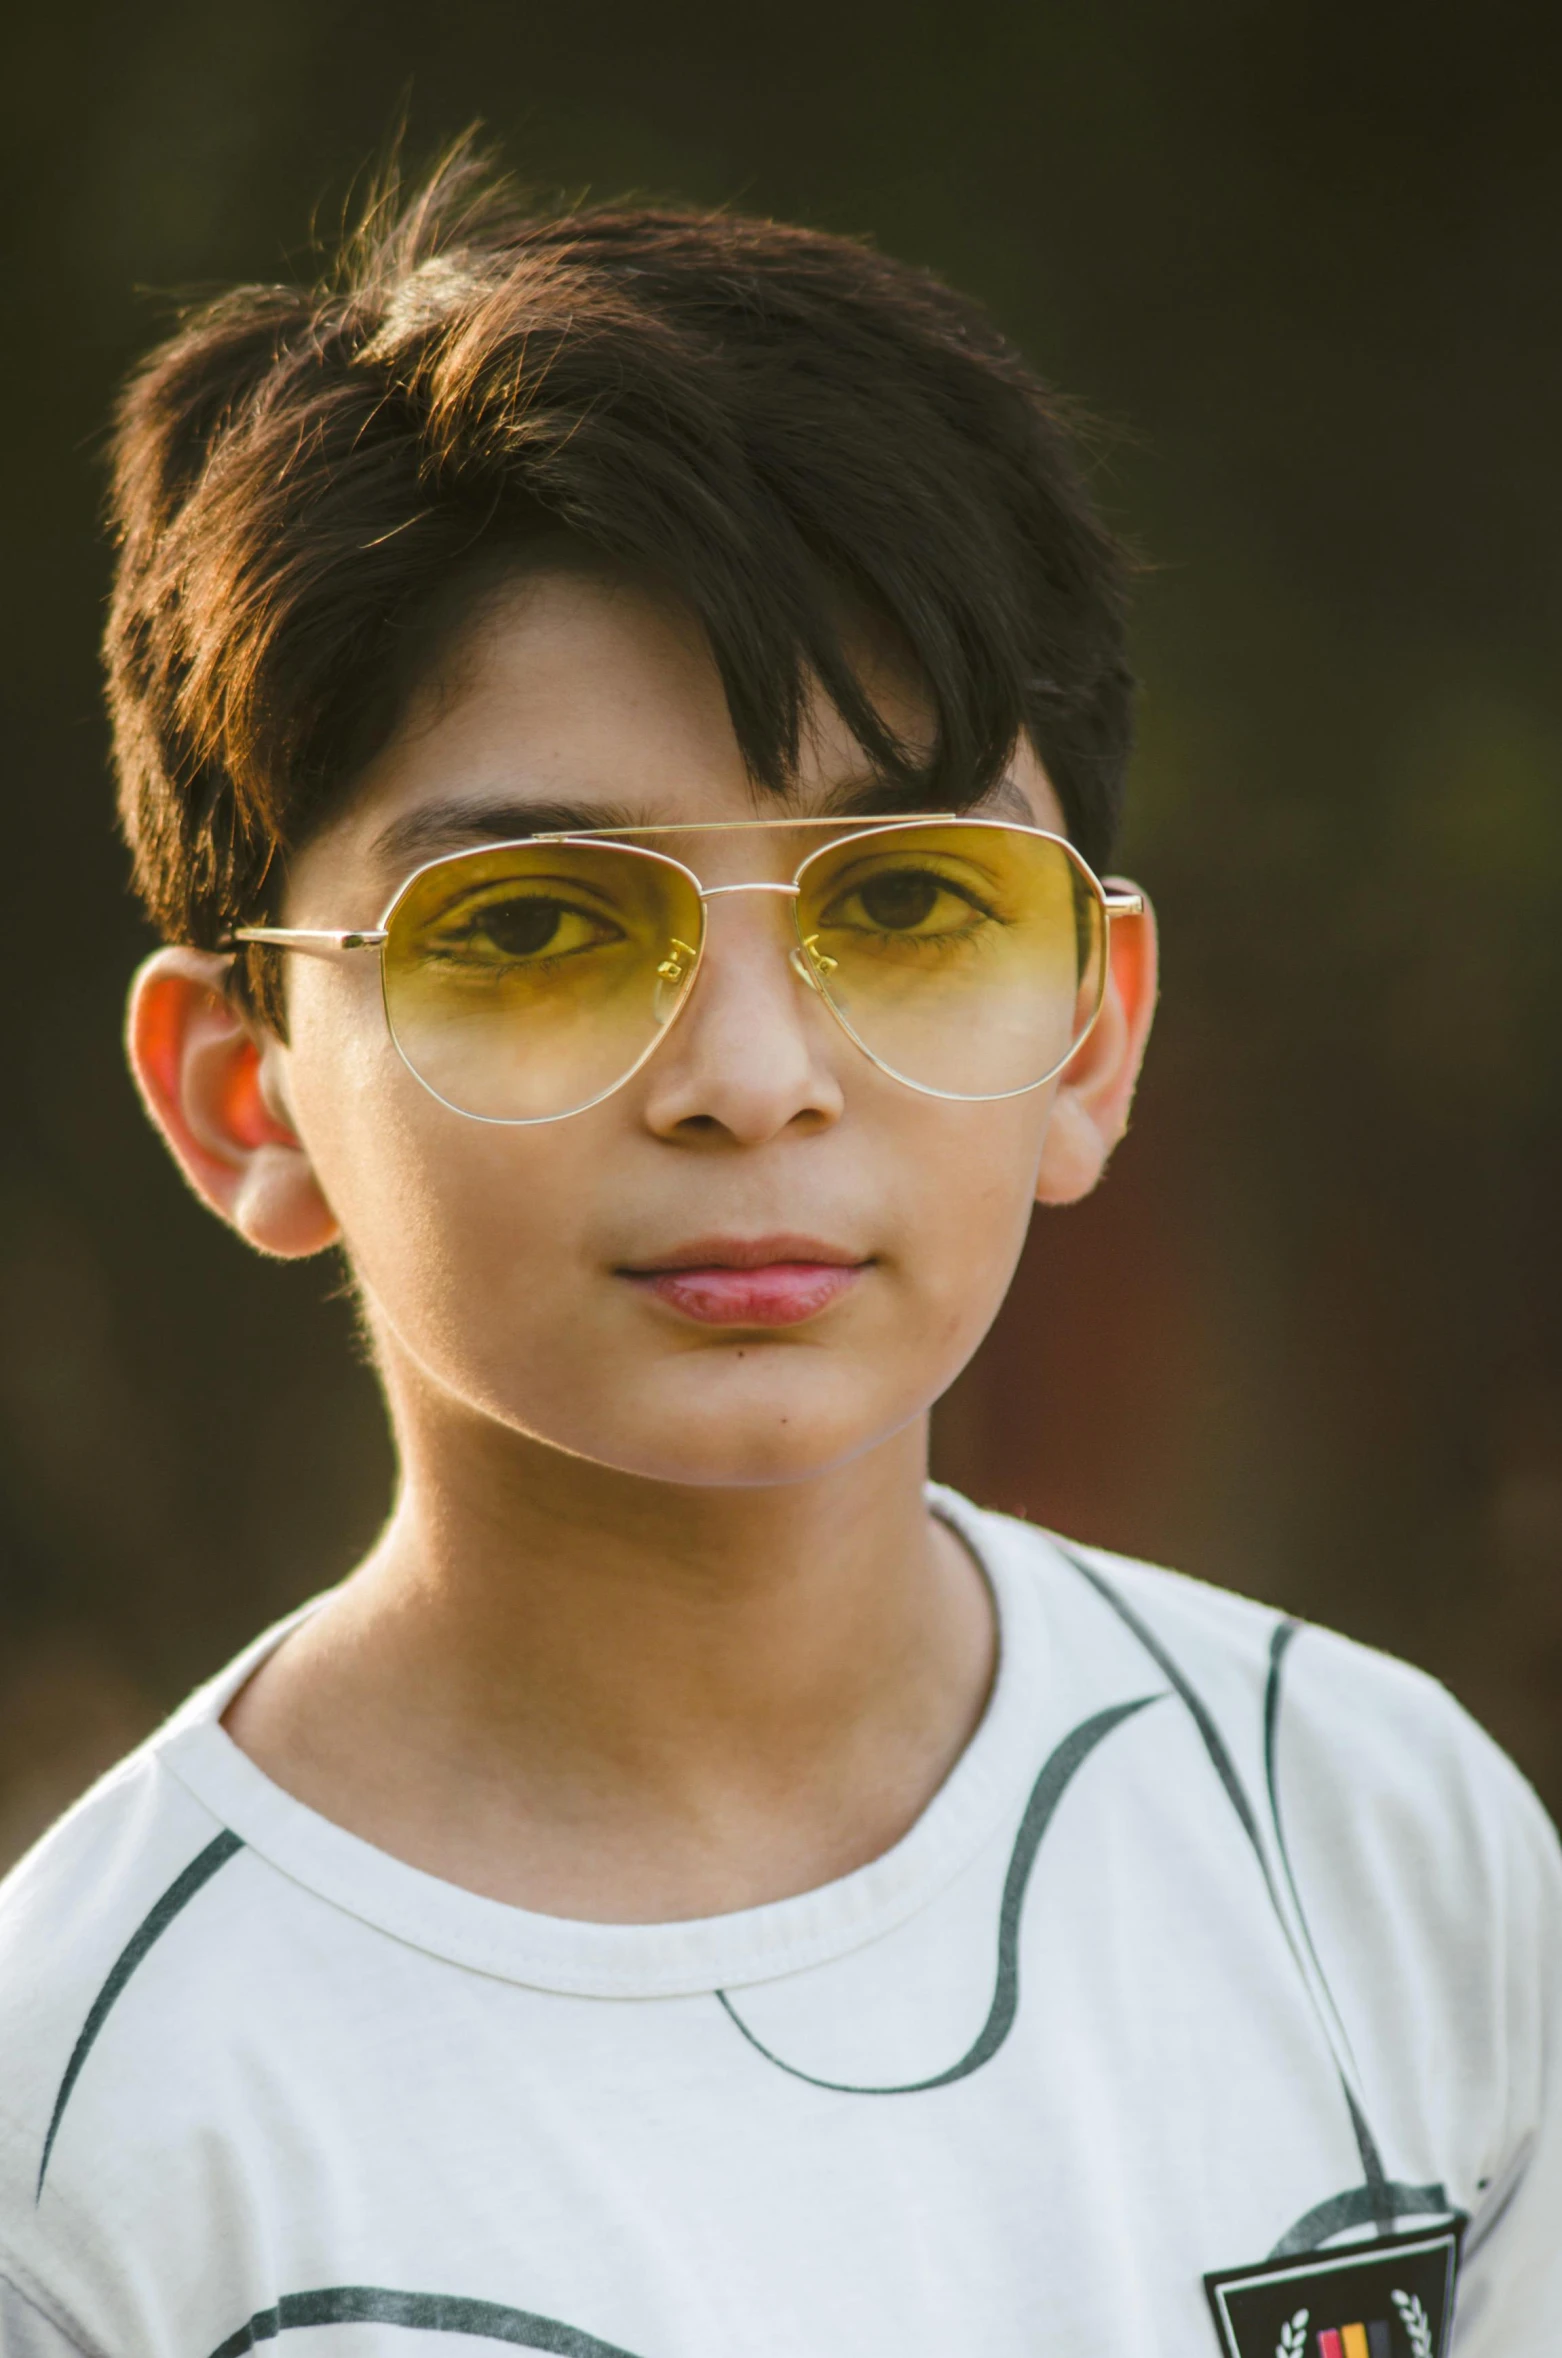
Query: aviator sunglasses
x=526 y=981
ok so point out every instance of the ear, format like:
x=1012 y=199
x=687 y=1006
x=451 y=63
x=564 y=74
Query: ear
x=214 y=1085
x=1091 y=1107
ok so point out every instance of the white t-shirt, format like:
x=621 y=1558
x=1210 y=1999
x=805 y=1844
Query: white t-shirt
x=1094 y=2029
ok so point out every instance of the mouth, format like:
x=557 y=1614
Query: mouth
x=760 y=1281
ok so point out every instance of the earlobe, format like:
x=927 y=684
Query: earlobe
x=1095 y=1094
x=212 y=1085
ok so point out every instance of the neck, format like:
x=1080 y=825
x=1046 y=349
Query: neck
x=605 y=1696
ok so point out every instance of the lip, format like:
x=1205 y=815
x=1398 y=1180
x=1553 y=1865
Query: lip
x=749 y=1281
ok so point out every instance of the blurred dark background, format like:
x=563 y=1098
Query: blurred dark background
x=1303 y=261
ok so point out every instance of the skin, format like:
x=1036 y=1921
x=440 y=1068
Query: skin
x=660 y=1626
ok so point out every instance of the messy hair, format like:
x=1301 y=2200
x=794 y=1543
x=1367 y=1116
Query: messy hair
x=778 y=426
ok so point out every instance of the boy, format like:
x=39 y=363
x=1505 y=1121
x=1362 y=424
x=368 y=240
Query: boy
x=620 y=721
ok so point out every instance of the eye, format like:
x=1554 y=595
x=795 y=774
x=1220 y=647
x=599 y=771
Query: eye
x=902 y=899
x=909 y=904
x=522 y=929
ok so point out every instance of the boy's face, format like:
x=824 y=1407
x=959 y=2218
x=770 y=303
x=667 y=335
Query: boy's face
x=527 y=1277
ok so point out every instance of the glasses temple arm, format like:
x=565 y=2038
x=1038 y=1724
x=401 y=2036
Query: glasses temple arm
x=301 y=937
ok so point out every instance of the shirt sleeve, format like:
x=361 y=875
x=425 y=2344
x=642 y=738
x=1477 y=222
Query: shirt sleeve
x=25 y=2332
x=1510 y=2295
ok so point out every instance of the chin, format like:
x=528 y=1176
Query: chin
x=732 y=1461
x=725 y=1441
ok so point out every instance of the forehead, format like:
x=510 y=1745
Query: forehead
x=574 y=698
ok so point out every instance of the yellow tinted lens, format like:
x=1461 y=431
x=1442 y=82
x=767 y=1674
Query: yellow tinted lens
x=965 y=958
x=525 y=983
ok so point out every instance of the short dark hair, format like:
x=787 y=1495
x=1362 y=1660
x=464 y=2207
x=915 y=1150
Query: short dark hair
x=775 y=423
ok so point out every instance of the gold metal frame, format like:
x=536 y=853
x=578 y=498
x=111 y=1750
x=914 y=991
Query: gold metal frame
x=806 y=962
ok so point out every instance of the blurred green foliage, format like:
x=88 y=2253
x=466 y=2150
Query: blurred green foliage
x=1302 y=264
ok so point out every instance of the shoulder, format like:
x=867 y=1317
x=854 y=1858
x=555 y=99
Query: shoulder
x=79 y=1916
x=114 y=1883
x=1217 y=1643
x=1409 y=1860
x=1351 y=1749
x=1344 y=1728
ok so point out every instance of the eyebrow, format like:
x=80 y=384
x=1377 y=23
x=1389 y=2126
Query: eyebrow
x=464 y=820
x=448 y=826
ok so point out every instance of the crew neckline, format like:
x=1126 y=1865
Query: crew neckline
x=584 y=1958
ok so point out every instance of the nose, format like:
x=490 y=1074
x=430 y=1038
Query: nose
x=753 y=1054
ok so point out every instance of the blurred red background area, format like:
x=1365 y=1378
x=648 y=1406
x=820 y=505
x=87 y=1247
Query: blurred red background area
x=1307 y=1341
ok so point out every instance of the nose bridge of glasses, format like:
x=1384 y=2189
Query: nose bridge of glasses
x=803 y=958
x=775 y=891
x=714 y=892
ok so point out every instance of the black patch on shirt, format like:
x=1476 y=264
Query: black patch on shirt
x=1397 y=2292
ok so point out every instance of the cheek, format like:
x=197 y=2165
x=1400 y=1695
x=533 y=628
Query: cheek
x=976 y=1181
x=472 y=1246
x=462 y=1232
x=966 y=1179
